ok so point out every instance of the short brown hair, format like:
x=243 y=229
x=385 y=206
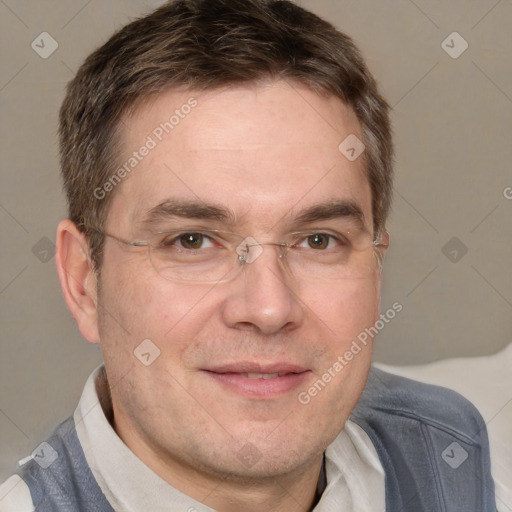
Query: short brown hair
x=206 y=44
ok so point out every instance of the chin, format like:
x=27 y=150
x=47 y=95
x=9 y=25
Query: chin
x=266 y=465
x=266 y=456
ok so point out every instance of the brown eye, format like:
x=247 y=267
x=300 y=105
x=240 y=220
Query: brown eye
x=191 y=240
x=318 y=241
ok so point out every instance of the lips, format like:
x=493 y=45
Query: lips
x=258 y=381
x=258 y=368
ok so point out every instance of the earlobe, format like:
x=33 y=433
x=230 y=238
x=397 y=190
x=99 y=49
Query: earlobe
x=77 y=278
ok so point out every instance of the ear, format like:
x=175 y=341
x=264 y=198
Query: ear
x=77 y=278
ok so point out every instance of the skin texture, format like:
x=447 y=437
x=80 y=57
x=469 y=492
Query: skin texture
x=266 y=152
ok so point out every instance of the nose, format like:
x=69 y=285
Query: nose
x=263 y=297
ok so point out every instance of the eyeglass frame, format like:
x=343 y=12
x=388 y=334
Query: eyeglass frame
x=241 y=258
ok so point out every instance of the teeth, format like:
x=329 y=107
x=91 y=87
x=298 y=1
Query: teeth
x=262 y=375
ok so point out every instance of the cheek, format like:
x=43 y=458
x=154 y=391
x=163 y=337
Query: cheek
x=345 y=308
x=136 y=306
x=341 y=313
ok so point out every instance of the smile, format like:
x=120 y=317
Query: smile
x=267 y=383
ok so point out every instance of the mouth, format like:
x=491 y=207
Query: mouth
x=258 y=381
x=265 y=376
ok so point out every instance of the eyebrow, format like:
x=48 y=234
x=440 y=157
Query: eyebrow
x=189 y=209
x=333 y=209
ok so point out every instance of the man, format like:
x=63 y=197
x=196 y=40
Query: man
x=228 y=166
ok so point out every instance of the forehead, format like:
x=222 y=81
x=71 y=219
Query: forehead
x=264 y=151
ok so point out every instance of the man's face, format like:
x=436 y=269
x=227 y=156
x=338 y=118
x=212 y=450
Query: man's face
x=265 y=154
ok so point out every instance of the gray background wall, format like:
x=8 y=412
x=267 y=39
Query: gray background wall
x=453 y=130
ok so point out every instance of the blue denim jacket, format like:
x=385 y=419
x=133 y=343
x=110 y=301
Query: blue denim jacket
x=431 y=442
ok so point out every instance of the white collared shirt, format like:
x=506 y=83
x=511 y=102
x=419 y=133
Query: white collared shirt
x=354 y=474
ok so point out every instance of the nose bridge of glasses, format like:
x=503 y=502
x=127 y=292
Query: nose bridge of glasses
x=245 y=255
